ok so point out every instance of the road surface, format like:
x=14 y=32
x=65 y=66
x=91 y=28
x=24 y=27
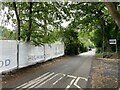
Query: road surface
x=70 y=73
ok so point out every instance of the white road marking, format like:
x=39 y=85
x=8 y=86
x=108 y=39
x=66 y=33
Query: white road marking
x=58 y=79
x=71 y=81
x=47 y=80
x=43 y=79
x=70 y=84
x=77 y=82
x=31 y=82
x=40 y=81
x=83 y=78
x=71 y=76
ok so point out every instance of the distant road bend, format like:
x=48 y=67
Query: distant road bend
x=70 y=73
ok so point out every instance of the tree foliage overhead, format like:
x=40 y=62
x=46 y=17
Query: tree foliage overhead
x=41 y=22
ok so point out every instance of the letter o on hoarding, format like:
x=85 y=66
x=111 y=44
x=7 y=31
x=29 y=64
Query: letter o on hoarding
x=7 y=62
x=1 y=64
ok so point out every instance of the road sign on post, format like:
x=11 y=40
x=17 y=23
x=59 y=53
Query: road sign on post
x=112 y=41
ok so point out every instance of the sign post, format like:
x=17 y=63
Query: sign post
x=113 y=42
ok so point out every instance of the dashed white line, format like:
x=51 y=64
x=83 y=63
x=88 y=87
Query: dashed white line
x=59 y=79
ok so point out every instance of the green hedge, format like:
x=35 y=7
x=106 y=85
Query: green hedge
x=74 y=48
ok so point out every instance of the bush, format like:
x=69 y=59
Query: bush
x=74 y=48
x=99 y=50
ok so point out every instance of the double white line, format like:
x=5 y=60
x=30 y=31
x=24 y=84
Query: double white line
x=36 y=83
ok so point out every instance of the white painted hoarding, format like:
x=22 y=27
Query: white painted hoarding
x=62 y=49
x=53 y=50
x=48 y=52
x=29 y=54
x=59 y=50
x=8 y=55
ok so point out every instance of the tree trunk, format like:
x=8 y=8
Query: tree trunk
x=30 y=22
x=18 y=20
x=114 y=13
x=18 y=36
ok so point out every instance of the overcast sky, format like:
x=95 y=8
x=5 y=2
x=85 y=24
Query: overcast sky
x=3 y=18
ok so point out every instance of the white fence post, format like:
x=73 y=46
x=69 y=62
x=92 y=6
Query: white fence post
x=18 y=55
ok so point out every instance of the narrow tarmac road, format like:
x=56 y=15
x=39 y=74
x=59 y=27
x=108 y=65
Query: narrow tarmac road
x=70 y=73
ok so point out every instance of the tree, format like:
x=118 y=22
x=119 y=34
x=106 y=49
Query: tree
x=34 y=18
x=30 y=22
x=40 y=22
x=114 y=13
x=7 y=34
x=18 y=19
